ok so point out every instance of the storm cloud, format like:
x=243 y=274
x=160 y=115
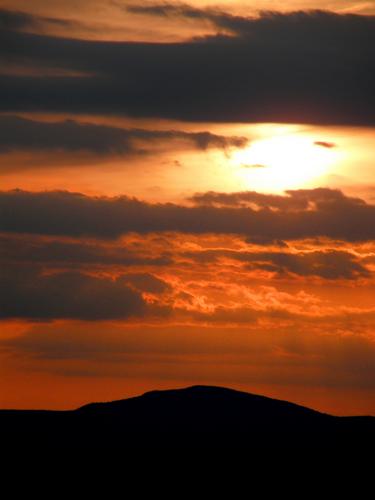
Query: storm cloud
x=302 y=67
x=323 y=213
x=327 y=264
x=21 y=134
x=37 y=250
x=19 y=21
x=27 y=292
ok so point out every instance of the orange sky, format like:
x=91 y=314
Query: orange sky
x=109 y=20
x=172 y=285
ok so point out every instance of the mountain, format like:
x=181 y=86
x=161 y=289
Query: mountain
x=199 y=417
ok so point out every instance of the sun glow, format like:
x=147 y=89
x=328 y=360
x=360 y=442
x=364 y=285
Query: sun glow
x=284 y=161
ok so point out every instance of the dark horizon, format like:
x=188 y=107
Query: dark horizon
x=172 y=390
x=198 y=417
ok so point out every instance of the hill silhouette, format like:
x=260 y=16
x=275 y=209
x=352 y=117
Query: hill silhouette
x=199 y=417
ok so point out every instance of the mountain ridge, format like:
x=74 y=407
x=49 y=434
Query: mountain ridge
x=199 y=390
x=199 y=417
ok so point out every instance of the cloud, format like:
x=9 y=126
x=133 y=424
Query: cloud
x=238 y=78
x=220 y=19
x=248 y=198
x=328 y=265
x=27 y=248
x=137 y=264
x=267 y=24
x=299 y=356
x=325 y=144
x=21 y=134
x=293 y=200
x=14 y=20
x=224 y=21
x=323 y=212
x=146 y=282
x=166 y=9
x=331 y=264
x=26 y=292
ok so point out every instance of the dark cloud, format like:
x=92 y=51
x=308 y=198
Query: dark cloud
x=170 y=9
x=11 y=20
x=146 y=282
x=248 y=198
x=19 y=134
x=26 y=248
x=14 y=21
x=223 y=21
x=303 y=67
x=330 y=264
x=327 y=265
x=325 y=144
x=31 y=250
x=28 y=293
x=265 y=240
x=268 y=24
x=300 y=199
x=323 y=213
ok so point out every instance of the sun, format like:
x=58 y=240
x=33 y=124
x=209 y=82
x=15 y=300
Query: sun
x=283 y=162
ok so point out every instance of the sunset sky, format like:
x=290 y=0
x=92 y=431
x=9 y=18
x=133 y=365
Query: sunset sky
x=187 y=196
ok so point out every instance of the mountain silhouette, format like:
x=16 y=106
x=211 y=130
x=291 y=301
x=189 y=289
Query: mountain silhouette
x=199 y=417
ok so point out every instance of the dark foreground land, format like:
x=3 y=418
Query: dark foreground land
x=198 y=417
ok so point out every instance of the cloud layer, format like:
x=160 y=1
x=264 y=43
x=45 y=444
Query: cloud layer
x=301 y=214
x=303 y=67
x=21 y=134
x=28 y=292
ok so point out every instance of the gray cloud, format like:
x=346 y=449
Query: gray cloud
x=33 y=249
x=60 y=254
x=219 y=18
x=269 y=23
x=20 y=134
x=261 y=200
x=300 y=199
x=323 y=213
x=28 y=293
x=13 y=20
x=302 y=67
x=146 y=282
x=329 y=264
x=166 y=9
